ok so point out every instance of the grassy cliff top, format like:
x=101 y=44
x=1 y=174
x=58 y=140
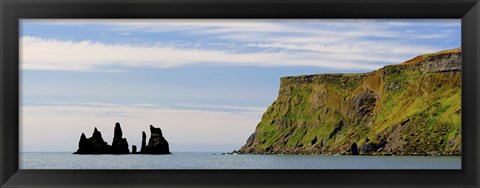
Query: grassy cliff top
x=425 y=56
x=312 y=77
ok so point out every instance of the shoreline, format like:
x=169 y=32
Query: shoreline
x=338 y=154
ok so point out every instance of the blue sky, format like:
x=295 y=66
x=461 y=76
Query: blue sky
x=204 y=82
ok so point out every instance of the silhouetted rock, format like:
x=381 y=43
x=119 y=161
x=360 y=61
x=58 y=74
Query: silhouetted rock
x=96 y=145
x=134 y=149
x=119 y=144
x=144 y=142
x=157 y=143
x=84 y=144
x=93 y=145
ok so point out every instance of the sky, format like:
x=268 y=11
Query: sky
x=205 y=83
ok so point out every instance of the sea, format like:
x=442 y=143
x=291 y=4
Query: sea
x=219 y=160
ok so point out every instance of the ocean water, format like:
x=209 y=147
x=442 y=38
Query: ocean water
x=216 y=160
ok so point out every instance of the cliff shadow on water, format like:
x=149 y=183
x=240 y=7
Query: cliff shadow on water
x=412 y=108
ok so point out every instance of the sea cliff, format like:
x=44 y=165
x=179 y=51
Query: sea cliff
x=412 y=108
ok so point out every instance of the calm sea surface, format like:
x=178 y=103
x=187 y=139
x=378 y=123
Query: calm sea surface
x=213 y=160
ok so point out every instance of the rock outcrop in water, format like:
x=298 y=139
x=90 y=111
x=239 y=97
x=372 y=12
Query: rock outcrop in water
x=96 y=145
x=156 y=144
x=144 y=142
x=134 y=149
x=413 y=108
x=93 y=145
x=119 y=144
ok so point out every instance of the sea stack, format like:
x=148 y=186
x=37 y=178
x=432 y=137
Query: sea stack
x=144 y=142
x=134 y=149
x=96 y=145
x=119 y=144
x=93 y=145
x=157 y=143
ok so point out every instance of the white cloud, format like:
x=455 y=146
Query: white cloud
x=341 y=44
x=253 y=110
x=45 y=54
x=264 y=30
x=59 y=126
x=422 y=22
x=330 y=27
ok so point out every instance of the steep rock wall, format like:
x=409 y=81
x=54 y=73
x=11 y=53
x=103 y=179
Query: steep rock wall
x=413 y=108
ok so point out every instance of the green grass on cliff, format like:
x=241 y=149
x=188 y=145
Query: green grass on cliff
x=414 y=112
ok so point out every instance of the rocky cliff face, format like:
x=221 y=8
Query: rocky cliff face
x=413 y=108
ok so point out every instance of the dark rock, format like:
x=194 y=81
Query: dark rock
x=354 y=149
x=93 y=145
x=364 y=103
x=443 y=62
x=84 y=144
x=157 y=143
x=393 y=86
x=96 y=145
x=372 y=147
x=144 y=142
x=314 y=141
x=119 y=144
x=336 y=130
x=134 y=149
x=251 y=139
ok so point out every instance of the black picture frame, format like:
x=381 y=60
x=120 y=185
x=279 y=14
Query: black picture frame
x=13 y=10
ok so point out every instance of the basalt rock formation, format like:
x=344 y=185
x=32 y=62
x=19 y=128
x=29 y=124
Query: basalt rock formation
x=144 y=142
x=96 y=145
x=93 y=145
x=119 y=144
x=156 y=144
x=412 y=108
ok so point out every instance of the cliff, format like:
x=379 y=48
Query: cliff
x=413 y=108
